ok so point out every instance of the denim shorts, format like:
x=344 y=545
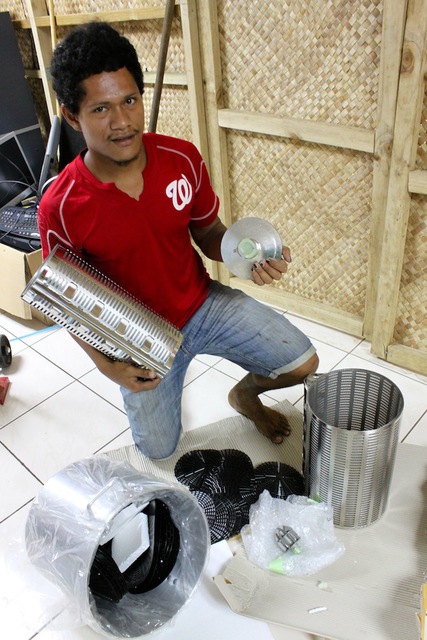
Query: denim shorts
x=231 y=325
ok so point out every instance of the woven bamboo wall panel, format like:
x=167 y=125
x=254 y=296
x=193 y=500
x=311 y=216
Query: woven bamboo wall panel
x=411 y=321
x=308 y=59
x=40 y=106
x=318 y=198
x=27 y=49
x=145 y=37
x=16 y=8
x=174 y=117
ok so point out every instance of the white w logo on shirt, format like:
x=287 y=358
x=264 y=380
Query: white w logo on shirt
x=180 y=191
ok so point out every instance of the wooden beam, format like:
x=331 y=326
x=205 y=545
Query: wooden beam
x=408 y=117
x=317 y=311
x=171 y=79
x=42 y=37
x=212 y=78
x=393 y=27
x=161 y=65
x=406 y=357
x=193 y=69
x=307 y=130
x=73 y=19
x=418 y=181
x=52 y=24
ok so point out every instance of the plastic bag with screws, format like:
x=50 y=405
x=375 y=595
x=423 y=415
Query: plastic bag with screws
x=294 y=537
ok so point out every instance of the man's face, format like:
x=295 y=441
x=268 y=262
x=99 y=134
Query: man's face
x=111 y=118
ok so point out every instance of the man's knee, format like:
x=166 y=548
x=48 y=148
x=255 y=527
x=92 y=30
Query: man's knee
x=157 y=450
x=310 y=366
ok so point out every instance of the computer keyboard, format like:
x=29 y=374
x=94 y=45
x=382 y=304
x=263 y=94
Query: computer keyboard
x=18 y=228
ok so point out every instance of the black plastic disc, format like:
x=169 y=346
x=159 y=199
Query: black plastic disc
x=223 y=483
x=280 y=480
x=237 y=473
x=157 y=562
x=208 y=505
x=194 y=466
x=105 y=578
x=225 y=519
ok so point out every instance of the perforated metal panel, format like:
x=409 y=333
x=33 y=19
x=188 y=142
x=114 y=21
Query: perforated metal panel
x=95 y=309
x=351 y=428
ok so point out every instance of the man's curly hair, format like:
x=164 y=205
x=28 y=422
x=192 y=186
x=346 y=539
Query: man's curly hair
x=86 y=51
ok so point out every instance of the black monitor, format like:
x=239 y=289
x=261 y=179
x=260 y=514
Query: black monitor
x=21 y=142
x=17 y=180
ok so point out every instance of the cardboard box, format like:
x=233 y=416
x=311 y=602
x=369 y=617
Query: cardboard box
x=423 y=614
x=16 y=270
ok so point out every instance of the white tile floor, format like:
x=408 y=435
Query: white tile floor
x=59 y=409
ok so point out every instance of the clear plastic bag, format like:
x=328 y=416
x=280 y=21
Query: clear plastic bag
x=87 y=504
x=316 y=545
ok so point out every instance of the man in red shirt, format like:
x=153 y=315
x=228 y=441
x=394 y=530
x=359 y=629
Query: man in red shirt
x=129 y=205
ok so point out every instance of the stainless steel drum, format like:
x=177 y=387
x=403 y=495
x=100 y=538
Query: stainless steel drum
x=351 y=431
x=88 y=504
x=84 y=301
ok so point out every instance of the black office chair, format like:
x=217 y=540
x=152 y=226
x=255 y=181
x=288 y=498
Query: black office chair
x=71 y=142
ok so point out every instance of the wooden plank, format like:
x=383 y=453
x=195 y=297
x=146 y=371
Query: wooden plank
x=212 y=77
x=407 y=357
x=52 y=25
x=307 y=130
x=418 y=181
x=317 y=311
x=408 y=117
x=394 y=15
x=161 y=64
x=73 y=19
x=172 y=79
x=43 y=44
x=193 y=67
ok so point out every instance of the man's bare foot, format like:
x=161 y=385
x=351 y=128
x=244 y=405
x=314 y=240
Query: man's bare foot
x=272 y=424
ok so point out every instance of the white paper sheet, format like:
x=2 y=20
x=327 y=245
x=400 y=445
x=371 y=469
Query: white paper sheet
x=207 y=615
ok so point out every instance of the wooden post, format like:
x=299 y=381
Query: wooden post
x=211 y=66
x=194 y=74
x=408 y=115
x=43 y=43
x=394 y=14
x=164 y=44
